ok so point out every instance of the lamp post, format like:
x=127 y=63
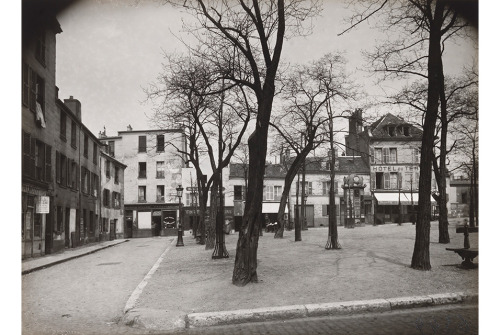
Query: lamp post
x=305 y=212
x=180 y=242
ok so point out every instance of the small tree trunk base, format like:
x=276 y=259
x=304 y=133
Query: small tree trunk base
x=220 y=251
x=279 y=232
x=331 y=245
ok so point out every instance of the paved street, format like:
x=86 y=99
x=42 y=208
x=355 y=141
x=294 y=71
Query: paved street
x=456 y=320
x=87 y=295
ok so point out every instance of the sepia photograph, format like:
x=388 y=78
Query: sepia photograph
x=248 y=167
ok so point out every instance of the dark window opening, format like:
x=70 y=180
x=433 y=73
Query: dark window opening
x=142 y=169
x=160 y=143
x=142 y=143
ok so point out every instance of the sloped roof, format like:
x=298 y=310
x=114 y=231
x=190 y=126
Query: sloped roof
x=379 y=128
x=314 y=165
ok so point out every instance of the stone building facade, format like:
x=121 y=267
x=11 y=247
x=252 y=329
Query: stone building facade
x=112 y=199
x=391 y=147
x=154 y=171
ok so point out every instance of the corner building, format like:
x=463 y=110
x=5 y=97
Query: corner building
x=154 y=171
x=391 y=147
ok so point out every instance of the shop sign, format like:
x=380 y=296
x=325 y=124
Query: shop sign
x=42 y=206
x=394 y=168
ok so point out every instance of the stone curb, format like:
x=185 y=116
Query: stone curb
x=44 y=266
x=196 y=320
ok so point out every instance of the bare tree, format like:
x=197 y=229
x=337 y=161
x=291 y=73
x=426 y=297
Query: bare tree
x=424 y=26
x=306 y=93
x=249 y=35
x=189 y=94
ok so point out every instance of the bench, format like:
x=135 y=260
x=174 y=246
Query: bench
x=467 y=255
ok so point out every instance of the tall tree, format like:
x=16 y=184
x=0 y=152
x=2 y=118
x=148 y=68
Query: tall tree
x=424 y=26
x=253 y=33
x=189 y=93
x=307 y=91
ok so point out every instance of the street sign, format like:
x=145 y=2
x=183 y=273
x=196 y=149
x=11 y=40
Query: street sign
x=42 y=207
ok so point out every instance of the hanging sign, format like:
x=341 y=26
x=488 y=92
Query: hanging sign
x=42 y=206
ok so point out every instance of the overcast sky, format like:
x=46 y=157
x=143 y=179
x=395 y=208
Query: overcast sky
x=109 y=50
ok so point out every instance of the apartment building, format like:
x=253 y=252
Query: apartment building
x=154 y=171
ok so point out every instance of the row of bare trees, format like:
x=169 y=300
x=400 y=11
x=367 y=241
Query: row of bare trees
x=230 y=79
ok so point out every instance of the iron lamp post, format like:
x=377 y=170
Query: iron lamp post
x=180 y=242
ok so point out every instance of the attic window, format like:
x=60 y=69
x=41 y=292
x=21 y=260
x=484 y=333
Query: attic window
x=391 y=130
x=406 y=131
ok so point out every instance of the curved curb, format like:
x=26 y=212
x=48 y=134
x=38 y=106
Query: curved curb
x=195 y=320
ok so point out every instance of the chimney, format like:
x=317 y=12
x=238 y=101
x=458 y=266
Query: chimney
x=129 y=128
x=75 y=106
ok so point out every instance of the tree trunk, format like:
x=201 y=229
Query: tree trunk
x=220 y=245
x=421 y=258
x=298 y=233
x=210 y=225
x=302 y=199
x=290 y=175
x=245 y=264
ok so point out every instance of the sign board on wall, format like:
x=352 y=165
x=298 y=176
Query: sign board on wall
x=394 y=168
x=42 y=206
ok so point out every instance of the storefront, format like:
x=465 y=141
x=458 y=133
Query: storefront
x=35 y=208
x=151 y=220
x=390 y=206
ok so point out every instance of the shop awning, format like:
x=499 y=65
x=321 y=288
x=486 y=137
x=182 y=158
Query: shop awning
x=392 y=198
x=272 y=207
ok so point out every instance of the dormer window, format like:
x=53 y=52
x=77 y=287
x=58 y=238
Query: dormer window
x=406 y=131
x=391 y=130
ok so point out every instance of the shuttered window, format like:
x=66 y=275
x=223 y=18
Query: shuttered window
x=48 y=163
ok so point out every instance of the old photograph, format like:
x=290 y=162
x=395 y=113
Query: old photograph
x=249 y=167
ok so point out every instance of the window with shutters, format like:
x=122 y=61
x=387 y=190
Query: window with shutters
x=385 y=152
x=26 y=84
x=142 y=143
x=95 y=188
x=84 y=180
x=142 y=194
x=238 y=192
x=40 y=161
x=416 y=155
x=107 y=165
x=326 y=187
x=48 y=163
x=86 y=146
x=393 y=176
x=160 y=143
x=40 y=47
x=393 y=155
x=160 y=169
x=372 y=155
x=105 y=198
x=111 y=148
x=278 y=191
x=73 y=134
x=74 y=169
x=63 y=174
x=116 y=199
x=378 y=155
x=62 y=125
x=160 y=193
x=268 y=192
x=94 y=153
x=387 y=181
x=142 y=170
x=117 y=174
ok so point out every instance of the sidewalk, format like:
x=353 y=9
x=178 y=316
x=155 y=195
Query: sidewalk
x=371 y=272
x=34 y=264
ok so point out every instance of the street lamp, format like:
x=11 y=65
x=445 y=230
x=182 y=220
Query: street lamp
x=180 y=242
x=305 y=212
